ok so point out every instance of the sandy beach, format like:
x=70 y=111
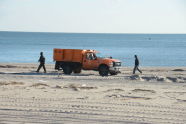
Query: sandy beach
x=158 y=96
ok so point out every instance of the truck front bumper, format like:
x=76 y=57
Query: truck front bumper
x=115 y=69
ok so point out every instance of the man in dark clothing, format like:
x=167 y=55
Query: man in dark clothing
x=42 y=62
x=136 y=65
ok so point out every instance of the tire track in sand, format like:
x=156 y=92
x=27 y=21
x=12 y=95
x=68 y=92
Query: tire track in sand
x=79 y=111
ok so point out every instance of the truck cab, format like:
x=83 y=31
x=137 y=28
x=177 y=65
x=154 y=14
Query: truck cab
x=104 y=65
x=90 y=61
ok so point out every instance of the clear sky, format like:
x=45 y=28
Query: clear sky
x=94 y=16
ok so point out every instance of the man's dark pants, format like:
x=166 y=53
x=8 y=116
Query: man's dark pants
x=136 y=68
x=41 y=65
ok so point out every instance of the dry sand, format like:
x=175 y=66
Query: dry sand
x=157 y=96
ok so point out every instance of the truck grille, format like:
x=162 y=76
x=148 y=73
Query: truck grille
x=117 y=64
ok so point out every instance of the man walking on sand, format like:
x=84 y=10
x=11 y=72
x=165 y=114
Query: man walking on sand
x=42 y=62
x=136 y=65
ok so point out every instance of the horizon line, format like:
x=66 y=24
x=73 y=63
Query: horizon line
x=84 y=32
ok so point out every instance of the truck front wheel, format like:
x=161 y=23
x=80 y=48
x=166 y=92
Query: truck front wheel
x=113 y=73
x=103 y=70
x=67 y=69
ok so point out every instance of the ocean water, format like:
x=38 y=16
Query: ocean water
x=152 y=49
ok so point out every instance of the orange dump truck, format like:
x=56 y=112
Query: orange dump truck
x=74 y=60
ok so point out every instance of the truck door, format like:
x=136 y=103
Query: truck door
x=90 y=62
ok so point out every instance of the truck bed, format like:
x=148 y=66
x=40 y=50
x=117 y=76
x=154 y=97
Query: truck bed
x=68 y=55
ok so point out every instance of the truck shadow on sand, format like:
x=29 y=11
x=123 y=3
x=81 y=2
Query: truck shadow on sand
x=34 y=73
x=30 y=73
x=48 y=73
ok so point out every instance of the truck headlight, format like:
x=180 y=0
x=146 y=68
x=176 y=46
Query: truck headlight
x=111 y=64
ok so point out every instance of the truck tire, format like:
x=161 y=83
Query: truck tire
x=77 y=70
x=57 y=65
x=103 y=70
x=113 y=73
x=67 y=69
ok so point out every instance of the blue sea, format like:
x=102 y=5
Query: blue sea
x=152 y=49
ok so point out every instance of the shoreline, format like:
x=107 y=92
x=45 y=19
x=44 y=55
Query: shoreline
x=36 y=63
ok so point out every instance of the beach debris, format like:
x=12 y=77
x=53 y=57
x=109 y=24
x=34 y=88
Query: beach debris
x=158 y=78
x=58 y=87
x=143 y=90
x=178 y=70
x=77 y=87
x=119 y=90
x=7 y=66
x=72 y=86
x=115 y=95
x=177 y=79
x=84 y=86
x=146 y=78
x=182 y=79
x=39 y=84
x=16 y=83
x=135 y=77
x=127 y=97
x=173 y=79
x=11 y=83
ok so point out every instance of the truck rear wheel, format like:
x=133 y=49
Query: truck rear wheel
x=67 y=69
x=77 y=70
x=103 y=70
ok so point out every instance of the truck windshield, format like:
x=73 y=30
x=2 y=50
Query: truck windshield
x=99 y=55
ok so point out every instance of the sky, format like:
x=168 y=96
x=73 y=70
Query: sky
x=94 y=16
